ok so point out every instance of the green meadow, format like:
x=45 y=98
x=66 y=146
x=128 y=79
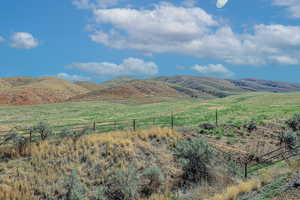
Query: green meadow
x=260 y=107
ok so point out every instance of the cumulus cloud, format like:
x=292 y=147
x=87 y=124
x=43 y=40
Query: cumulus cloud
x=129 y=67
x=293 y=7
x=23 y=40
x=93 y=4
x=192 y=31
x=2 y=39
x=221 y=3
x=213 y=69
x=72 y=77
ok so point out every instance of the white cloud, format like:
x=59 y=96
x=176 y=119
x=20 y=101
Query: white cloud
x=189 y=3
x=2 y=39
x=213 y=69
x=23 y=40
x=192 y=31
x=72 y=77
x=293 y=7
x=129 y=67
x=93 y=4
x=221 y=3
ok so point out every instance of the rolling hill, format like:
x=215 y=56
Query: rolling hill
x=91 y=86
x=30 y=91
x=138 y=90
x=225 y=87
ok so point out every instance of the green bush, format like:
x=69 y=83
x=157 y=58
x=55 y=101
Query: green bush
x=195 y=156
x=18 y=140
x=100 y=194
x=155 y=179
x=251 y=126
x=290 y=139
x=76 y=190
x=123 y=184
x=294 y=123
x=43 y=129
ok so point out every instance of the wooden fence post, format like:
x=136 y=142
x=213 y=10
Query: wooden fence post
x=216 y=117
x=94 y=126
x=246 y=170
x=115 y=125
x=30 y=139
x=134 y=125
x=172 y=121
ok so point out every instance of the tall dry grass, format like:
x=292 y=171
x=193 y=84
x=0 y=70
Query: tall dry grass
x=94 y=157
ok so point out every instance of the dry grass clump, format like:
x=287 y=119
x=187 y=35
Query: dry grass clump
x=264 y=177
x=294 y=165
x=95 y=157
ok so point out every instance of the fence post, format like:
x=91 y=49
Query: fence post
x=30 y=139
x=172 y=121
x=115 y=125
x=94 y=126
x=216 y=117
x=246 y=170
x=134 y=125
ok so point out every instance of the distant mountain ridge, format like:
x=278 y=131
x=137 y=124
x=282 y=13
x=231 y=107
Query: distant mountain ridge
x=31 y=91
x=225 y=87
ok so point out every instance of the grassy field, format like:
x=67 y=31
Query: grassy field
x=234 y=109
x=147 y=164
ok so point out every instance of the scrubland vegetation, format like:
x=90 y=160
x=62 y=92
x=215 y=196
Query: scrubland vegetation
x=197 y=160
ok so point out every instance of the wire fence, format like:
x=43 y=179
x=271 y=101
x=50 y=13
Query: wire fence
x=242 y=165
x=99 y=127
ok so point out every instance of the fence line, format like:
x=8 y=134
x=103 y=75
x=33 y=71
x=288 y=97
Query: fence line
x=169 y=121
x=132 y=124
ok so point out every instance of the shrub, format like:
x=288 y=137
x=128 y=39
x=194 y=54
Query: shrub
x=195 y=156
x=207 y=126
x=75 y=189
x=18 y=140
x=252 y=126
x=290 y=139
x=123 y=184
x=43 y=129
x=155 y=179
x=233 y=168
x=21 y=144
x=294 y=123
x=100 y=194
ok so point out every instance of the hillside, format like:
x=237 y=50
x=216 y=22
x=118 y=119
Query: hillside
x=30 y=91
x=178 y=87
x=224 y=87
x=130 y=89
x=91 y=86
x=252 y=84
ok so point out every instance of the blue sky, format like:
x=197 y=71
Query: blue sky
x=102 y=39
